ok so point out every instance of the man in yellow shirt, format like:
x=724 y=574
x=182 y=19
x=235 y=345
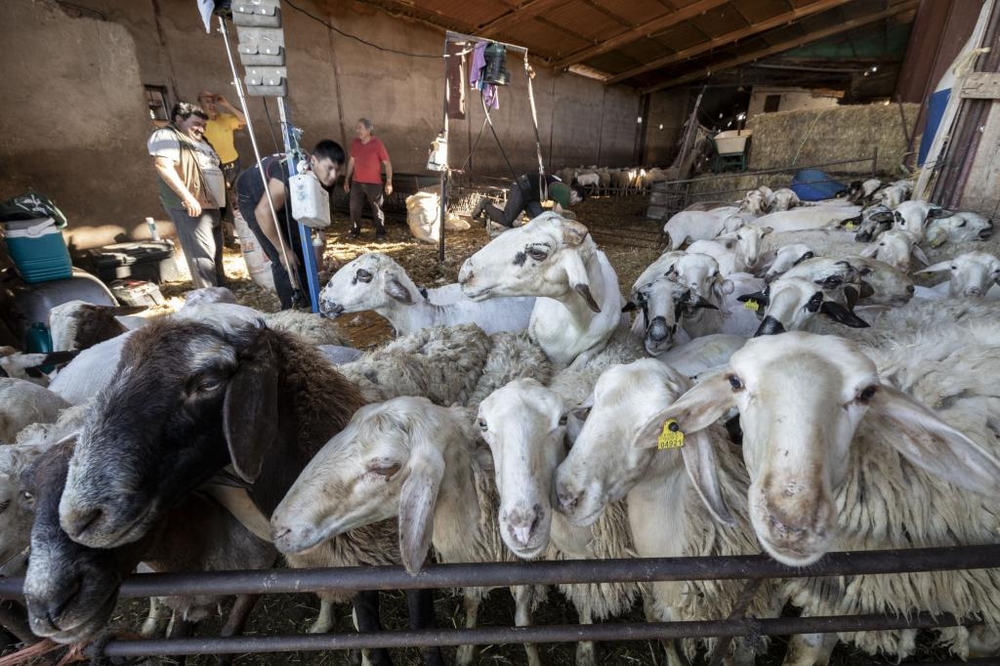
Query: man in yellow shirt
x=219 y=132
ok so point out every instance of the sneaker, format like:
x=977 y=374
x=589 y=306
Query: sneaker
x=480 y=209
x=355 y=233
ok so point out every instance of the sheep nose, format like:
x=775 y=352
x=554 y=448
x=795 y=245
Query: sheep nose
x=910 y=289
x=76 y=523
x=974 y=291
x=658 y=329
x=569 y=500
x=466 y=273
x=522 y=523
x=770 y=326
x=330 y=309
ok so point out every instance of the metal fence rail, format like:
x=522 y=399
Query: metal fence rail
x=751 y=567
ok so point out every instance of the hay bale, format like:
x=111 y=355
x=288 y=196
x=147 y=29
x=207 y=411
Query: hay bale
x=819 y=136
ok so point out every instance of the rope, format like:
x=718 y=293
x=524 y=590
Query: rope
x=542 y=184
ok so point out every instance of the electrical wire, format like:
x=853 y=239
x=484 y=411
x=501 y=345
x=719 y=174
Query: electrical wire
x=354 y=37
x=486 y=110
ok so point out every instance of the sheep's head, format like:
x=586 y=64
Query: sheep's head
x=524 y=424
x=366 y=283
x=70 y=590
x=545 y=257
x=792 y=302
x=188 y=399
x=972 y=274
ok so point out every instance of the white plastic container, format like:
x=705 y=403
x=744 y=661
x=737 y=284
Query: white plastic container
x=258 y=265
x=310 y=201
x=732 y=142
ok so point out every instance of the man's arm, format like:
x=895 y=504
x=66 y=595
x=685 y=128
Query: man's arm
x=268 y=226
x=348 y=173
x=167 y=169
x=223 y=102
x=388 y=175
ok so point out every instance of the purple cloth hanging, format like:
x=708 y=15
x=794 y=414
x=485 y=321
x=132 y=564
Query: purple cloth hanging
x=488 y=90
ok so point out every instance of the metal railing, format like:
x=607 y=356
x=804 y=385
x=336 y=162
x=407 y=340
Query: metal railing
x=752 y=568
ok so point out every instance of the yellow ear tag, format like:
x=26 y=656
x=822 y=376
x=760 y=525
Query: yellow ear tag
x=751 y=305
x=850 y=225
x=671 y=436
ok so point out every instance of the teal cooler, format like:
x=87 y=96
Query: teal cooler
x=38 y=250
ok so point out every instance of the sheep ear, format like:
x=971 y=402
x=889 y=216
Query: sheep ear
x=840 y=314
x=701 y=465
x=939 y=267
x=577 y=274
x=766 y=230
x=933 y=445
x=697 y=409
x=919 y=255
x=131 y=322
x=416 y=506
x=395 y=289
x=573 y=233
x=939 y=213
x=250 y=409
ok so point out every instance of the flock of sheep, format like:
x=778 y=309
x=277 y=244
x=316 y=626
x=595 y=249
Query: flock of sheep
x=523 y=413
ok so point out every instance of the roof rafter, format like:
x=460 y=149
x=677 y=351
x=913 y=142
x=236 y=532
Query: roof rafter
x=516 y=16
x=786 y=46
x=736 y=35
x=638 y=32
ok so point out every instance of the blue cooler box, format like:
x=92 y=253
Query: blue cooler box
x=38 y=250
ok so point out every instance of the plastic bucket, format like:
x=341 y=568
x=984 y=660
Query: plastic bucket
x=258 y=265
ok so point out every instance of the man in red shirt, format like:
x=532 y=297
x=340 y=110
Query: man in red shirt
x=364 y=178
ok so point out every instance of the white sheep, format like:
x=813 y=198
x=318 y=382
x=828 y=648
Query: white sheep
x=524 y=424
x=780 y=259
x=409 y=460
x=374 y=281
x=813 y=217
x=844 y=454
x=785 y=199
x=791 y=304
x=692 y=225
x=735 y=253
x=23 y=403
x=672 y=511
x=972 y=274
x=894 y=194
x=555 y=259
x=895 y=247
x=958 y=228
x=879 y=283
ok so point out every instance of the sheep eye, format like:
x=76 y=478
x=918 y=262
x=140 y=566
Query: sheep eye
x=27 y=496
x=963 y=223
x=363 y=276
x=209 y=384
x=536 y=253
x=385 y=469
x=4 y=505
x=867 y=394
x=815 y=302
x=833 y=281
x=563 y=419
x=954 y=267
x=735 y=383
x=482 y=425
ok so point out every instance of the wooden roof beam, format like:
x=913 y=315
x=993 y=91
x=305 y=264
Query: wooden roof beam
x=756 y=28
x=786 y=46
x=639 y=32
x=516 y=16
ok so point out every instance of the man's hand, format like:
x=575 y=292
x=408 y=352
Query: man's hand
x=388 y=189
x=290 y=262
x=347 y=185
x=191 y=206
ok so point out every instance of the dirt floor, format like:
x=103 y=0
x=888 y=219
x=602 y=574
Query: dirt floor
x=631 y=242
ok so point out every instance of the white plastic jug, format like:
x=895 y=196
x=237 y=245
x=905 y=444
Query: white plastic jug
x=258 y=265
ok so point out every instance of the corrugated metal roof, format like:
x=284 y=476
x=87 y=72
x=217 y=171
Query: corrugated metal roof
x=654 y=44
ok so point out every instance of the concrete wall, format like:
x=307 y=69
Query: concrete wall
x=76 y=120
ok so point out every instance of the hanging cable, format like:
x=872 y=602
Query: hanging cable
x=542 y=183
x=354 y=37
x=292 y=275
x=486 y=110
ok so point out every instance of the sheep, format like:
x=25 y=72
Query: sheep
x=23 y=403
x=756 y=202
x=735 y=253
x=207 y=295
x=972 y=274
x=556 y=259
x=843 y=453
x=71 y=589
x=77 y=325
x=872 y=222
x=524 y=424
x=607 y=465
x=958 y=228
x=894 y=247
x=792 y=303
x=894 y=194
x=231 y=391
x=374 y=281
x=16 y=518
x=700 y=354
x=691 y=226
x=914 y=216
x=860 y=192
x=814 y=217
x=94 y=367
x=779 y=260
x=587 y=179
x=785 y=199
x=879 y=283
x=410 y=460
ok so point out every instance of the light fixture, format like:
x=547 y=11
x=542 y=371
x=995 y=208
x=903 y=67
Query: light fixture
x=639 y=120
x=588 y=72
x=661 y=125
